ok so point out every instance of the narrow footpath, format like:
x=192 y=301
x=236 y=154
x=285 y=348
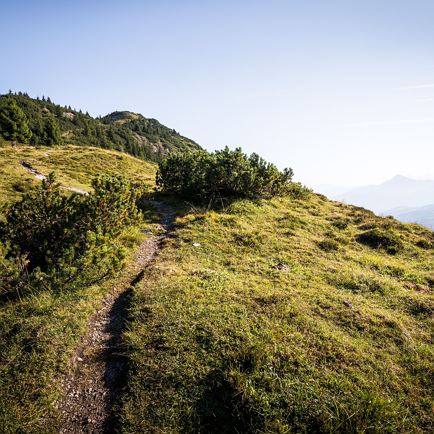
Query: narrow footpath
x=97 y=369
x=38 y=175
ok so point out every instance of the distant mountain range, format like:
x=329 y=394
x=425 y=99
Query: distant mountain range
x=423 y=215
x=397 y=192
x=406 y=199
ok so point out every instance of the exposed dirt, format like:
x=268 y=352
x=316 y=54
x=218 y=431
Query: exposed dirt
x=38 y=175
x=97 y=369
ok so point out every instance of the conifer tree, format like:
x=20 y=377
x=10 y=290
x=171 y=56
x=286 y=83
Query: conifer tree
x=52 y=132
x=13 y=122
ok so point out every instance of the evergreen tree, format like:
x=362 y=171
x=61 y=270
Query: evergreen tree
x=52 y=132
x=58 y=110
x=37 y=131
x=13 y=122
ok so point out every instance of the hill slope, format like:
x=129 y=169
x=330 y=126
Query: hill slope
x=271 y=316
x=281 y=315
x=122 y=131
x=39 y=333
x=75 y=166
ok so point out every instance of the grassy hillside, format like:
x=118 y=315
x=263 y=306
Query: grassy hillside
x=277 y=316
x=38 y=335
x=75 y=166
x=123 y=131
x=39 y=332
x=280 y=315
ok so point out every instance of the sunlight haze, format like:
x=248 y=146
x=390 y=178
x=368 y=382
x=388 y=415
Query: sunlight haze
x=342 y=92
x=217 y=216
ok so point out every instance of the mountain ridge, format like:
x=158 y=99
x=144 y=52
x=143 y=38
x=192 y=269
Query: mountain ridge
x=125 y=131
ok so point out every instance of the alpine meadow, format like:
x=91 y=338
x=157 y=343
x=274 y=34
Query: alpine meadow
x=152 y=283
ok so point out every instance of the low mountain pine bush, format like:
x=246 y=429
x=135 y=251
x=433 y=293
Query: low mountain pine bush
x=53 y=241
x=203 y=176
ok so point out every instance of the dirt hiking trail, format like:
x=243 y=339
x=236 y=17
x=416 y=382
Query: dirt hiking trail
x=38 y=175
x=97 y=368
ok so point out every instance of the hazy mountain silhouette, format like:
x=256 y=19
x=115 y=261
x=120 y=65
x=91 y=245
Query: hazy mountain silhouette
x=397 y=192
x=423 y=215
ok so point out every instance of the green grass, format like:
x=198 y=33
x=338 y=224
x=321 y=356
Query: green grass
x=75 y=166
x=266 y=316
x=339 y=340
x=38 y=334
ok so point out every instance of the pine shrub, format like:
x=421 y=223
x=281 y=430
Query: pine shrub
x=202 y=176
x=54 y=241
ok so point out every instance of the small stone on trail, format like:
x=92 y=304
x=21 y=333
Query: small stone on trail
x=348 y=304
x=79 y=359
x=281 y=267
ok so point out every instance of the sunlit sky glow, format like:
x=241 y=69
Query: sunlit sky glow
x=341 y=91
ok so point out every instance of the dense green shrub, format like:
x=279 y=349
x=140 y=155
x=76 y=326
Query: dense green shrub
x=57 y=242
x=298 y=190
x=207 y=176
x=381 y=239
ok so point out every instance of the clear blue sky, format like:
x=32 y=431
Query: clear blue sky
x=341 y=91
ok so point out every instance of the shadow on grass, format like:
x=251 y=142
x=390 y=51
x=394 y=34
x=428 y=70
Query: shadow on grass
x=115 y=363
x=222 y=409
